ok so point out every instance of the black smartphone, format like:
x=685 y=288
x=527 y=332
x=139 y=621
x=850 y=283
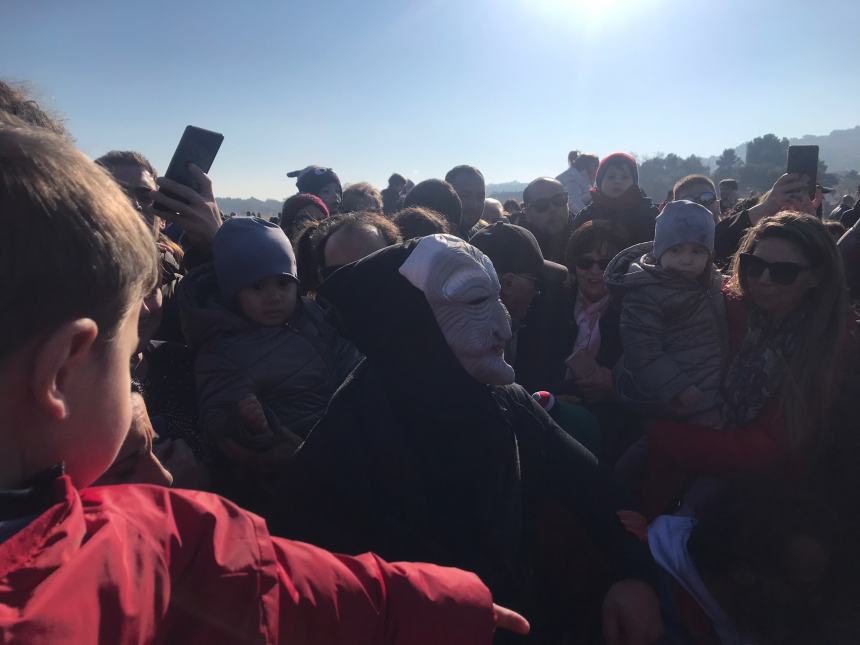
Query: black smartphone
x=197 y=146
x=803 y=160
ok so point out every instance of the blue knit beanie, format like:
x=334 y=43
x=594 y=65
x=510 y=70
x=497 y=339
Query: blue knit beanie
x=682 y=222
x=246 y=250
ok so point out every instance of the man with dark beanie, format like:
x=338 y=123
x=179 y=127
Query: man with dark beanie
x=322 y=182
x=469 y=183
x=617 y=198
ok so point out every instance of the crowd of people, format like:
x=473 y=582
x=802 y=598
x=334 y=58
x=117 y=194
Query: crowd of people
x=419 y=415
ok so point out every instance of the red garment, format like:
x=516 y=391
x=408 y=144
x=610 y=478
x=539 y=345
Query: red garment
x=679 y=451
x=143 y=564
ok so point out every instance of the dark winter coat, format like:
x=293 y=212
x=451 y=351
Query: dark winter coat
x=292 y=369
x=673 y=332
x=637 y=222
x=728 y=235
x=415 y=458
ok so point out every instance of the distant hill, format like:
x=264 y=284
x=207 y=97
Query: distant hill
x=840 y=149
x=241 y=206
x=507 y=190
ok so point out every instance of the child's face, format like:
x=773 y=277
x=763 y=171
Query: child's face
x=331 y=196
x=270 y=302
x=616 y=181
x=688 y=259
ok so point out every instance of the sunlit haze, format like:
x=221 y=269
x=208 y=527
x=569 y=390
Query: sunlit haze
x=379 y=86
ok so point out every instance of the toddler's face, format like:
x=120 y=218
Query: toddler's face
x=617 y=180
x=271 y=301
x=687 y=259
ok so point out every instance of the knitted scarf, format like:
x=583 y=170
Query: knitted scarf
x=758 y=370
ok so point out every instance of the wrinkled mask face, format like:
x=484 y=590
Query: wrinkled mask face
x=463 y=291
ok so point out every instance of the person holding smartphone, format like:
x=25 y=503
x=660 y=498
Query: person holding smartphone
x=787 y=193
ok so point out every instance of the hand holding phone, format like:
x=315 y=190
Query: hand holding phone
x=195 y=211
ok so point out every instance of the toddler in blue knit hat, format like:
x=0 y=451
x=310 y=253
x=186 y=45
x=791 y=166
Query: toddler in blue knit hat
x=673 y=321
x=267 y=360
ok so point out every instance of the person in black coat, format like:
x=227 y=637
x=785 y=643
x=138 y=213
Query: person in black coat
x=617 y=197
x=429 y=451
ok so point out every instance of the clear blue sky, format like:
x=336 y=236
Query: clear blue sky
x=417 y=86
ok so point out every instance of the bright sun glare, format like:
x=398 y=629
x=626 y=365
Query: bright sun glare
x=593 y=12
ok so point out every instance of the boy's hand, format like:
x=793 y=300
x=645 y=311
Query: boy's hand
x=198 y=214
x=690 y=397
x=510 y=620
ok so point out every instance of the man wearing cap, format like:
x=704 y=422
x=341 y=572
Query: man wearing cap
x=521 y=268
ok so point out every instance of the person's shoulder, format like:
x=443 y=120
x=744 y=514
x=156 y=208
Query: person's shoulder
x=158 y=513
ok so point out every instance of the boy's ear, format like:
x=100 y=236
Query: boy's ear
x=56 y=362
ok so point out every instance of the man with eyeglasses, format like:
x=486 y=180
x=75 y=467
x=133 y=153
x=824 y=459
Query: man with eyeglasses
x=546 y=216
x=699 y=189
x=521 y=268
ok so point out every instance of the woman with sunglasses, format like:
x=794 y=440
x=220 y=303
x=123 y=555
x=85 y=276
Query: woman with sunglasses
x=594 y=340
x=789 y=344
x=617 y=198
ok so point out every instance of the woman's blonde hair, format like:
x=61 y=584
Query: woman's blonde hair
x=811 y=375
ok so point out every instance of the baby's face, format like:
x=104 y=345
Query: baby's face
x=688 y=259
x=271 y=301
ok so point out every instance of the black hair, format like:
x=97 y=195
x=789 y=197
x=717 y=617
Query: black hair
x=439 y=196
x=463 y=170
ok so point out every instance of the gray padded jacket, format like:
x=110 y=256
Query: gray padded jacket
x=674 y=334
x=293 y=369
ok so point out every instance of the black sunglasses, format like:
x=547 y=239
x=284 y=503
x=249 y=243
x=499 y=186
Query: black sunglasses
x=784 y=273
x=584 y=264
x=705 y=199
x=542 y=205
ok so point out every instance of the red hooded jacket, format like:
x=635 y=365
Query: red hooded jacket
x=143 y=564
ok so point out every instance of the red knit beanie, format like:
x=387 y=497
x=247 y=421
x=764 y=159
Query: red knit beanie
x=297 y=202
x=616 y=158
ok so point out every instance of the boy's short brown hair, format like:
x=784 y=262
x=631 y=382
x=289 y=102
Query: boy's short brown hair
x=691 y=180
x=71 y=245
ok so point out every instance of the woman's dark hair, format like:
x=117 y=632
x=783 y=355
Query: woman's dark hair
x=593 y=236
x=439 y=196
x=812 y=376
x=419 y=222
x=306 y=259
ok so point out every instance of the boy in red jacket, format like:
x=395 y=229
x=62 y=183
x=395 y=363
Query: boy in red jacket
x=134 y=563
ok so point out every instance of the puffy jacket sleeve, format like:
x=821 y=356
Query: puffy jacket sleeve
x=221 y=384
x=647 y=372
x=233 y=582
